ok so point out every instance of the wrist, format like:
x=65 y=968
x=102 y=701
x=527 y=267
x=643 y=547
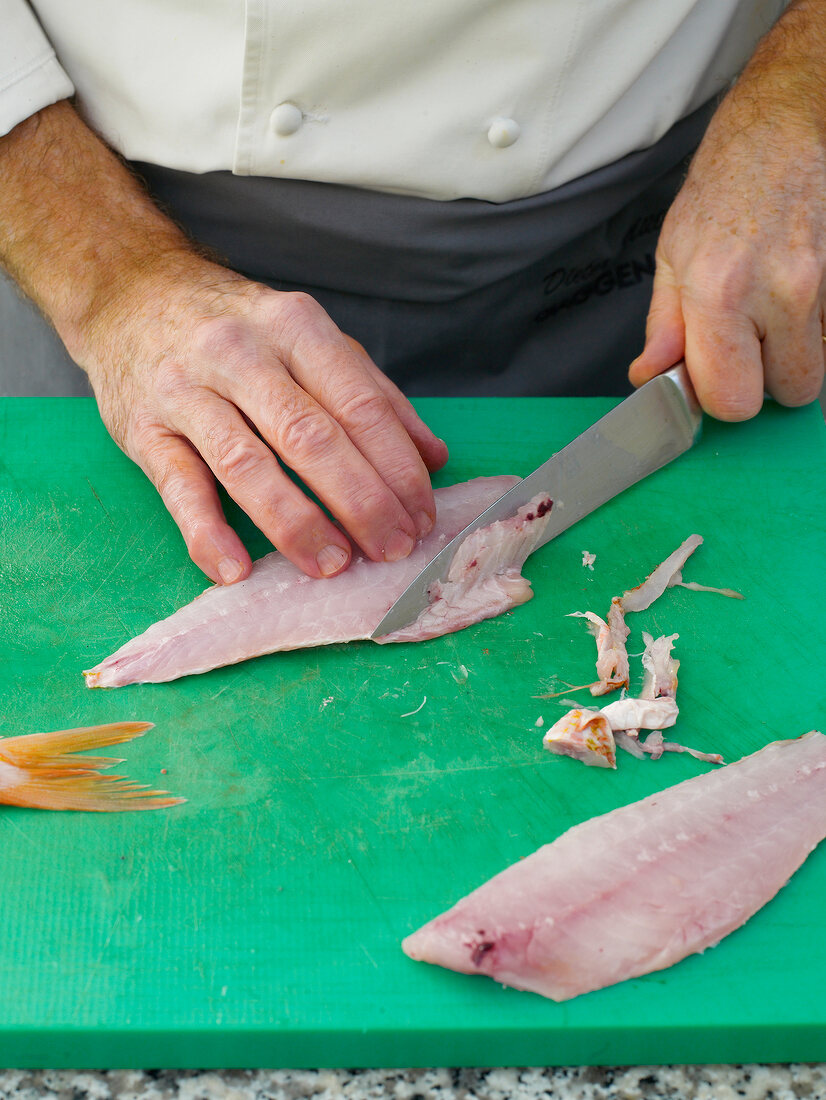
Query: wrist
x=784 y=83
x=77 y=230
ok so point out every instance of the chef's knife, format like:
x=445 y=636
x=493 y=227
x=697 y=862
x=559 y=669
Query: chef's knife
x=658 y=422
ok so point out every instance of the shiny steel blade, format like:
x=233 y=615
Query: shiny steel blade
x=658 y=422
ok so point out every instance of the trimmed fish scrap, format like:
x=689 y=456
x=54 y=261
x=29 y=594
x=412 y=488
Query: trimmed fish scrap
x=619 y=723
x=585 y=735
x=44 y=771
x=278 y=607
x=612 y=658
x=640 y=888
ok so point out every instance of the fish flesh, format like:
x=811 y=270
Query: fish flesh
x=640 y=888
x=43 y=771
x=278 y=607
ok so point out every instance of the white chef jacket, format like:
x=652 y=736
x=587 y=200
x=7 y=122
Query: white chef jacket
x=487 y=99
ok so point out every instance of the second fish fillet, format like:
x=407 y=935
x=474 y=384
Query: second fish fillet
x=277 y=607
x=641 y=887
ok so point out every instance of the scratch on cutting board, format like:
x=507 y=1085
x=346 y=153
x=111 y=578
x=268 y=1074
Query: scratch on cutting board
x=8 y=821
x=355 y=696
x=369 y=956
x=371 y=893
x=529 y=766
x=97 y=498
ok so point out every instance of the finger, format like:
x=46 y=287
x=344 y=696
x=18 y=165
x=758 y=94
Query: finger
x=793 y=350
x=432 y=449
x=723 y=355
x=369 y=421
x=248 y=470
x=188 y=490
x=664 y=330
x=313 y=444
x=330 y=370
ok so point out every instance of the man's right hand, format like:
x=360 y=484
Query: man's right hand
x=203 y=377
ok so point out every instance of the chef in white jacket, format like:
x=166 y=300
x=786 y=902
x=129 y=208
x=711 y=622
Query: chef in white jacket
x=254 y=226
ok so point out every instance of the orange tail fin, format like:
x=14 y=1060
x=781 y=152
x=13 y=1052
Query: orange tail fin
x=42 y=770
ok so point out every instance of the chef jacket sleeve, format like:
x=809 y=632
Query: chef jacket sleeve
x=31 y=77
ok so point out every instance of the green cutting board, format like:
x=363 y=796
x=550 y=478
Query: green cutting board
x=340 y=797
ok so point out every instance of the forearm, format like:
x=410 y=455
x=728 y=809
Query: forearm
x=786 y=75
x=75 y=225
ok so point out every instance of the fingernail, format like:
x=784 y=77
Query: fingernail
x=424 y=523
x=229 y=570
x=398 y=545
x=330 y=559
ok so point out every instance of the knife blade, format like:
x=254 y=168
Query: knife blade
x=657 y=423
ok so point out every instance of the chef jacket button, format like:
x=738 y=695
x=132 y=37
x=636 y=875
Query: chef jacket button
x=503 y=132
x=286 y=119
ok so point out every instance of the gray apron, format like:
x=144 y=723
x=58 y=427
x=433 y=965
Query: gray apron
x=539 y=296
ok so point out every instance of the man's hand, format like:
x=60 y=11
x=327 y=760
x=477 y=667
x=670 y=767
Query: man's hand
x=740 y=285
x=203 y=377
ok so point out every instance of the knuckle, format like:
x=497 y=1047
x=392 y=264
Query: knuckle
x=364 y=410
x=734 y=405
x=371 y=504
x=199 y=539
x=725 y=281
x=234 y=461
x=802 y=395
x=172 y=484
x=297 y=312
x=800 y=283
x=305 y=433
x=734 y=410
x=797 y=386
x=293 y=526
x=171 y=381
x=224 y=340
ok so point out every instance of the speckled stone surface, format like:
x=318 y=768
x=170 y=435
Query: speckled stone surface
x=742 y=1082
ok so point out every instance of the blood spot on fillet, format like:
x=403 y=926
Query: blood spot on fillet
x=479 y=951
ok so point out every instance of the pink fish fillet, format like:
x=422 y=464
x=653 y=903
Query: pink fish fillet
x=278 y=607
x=639 y=888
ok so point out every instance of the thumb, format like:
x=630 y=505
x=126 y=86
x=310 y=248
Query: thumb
x=664 y=331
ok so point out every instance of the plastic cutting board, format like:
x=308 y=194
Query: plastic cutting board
x=339 y=797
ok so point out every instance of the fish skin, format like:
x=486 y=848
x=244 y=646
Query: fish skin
x=635 y=714
x=585 y=735
x=278 y=607
x=642 y=887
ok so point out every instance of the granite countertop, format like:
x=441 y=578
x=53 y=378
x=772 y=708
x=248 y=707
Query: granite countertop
x=741 y=1082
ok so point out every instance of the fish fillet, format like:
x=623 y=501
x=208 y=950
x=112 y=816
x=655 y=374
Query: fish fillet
x=639 y=888
x=277 y=607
